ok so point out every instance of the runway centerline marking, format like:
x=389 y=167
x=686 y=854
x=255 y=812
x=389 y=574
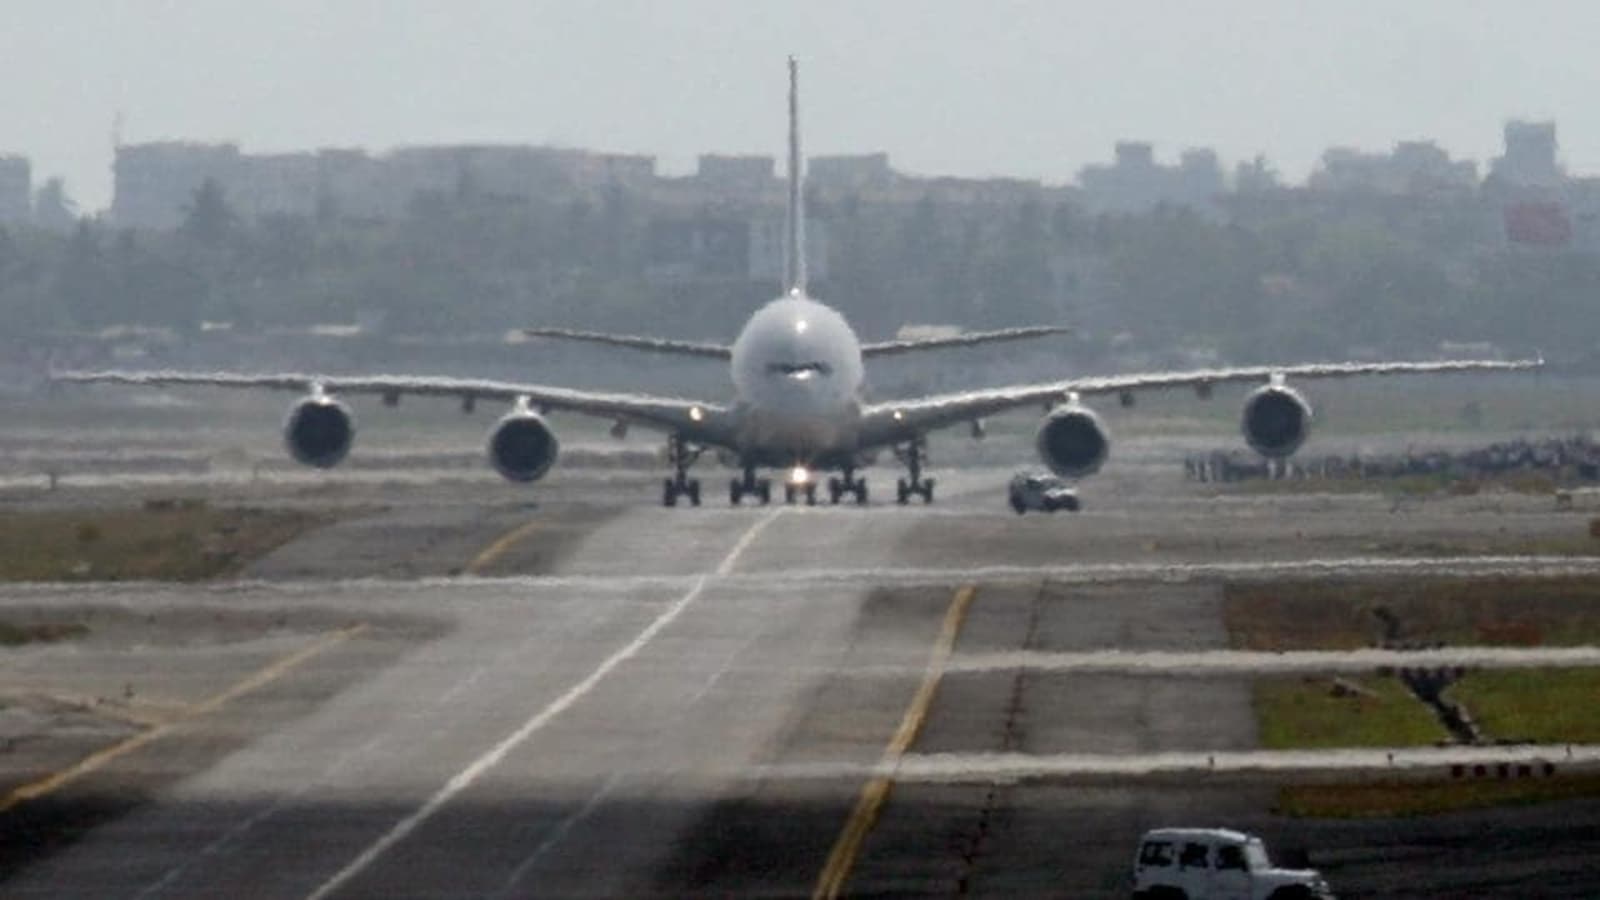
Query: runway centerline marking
x=842 y=858
x=501 y=544
x=98 y=760
x=476 y=769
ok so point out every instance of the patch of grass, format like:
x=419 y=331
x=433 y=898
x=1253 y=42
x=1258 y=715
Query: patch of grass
x=13 y=634
x=1542 y=705
x=1304 y=713
x=1421 y=798
x=177 y=541
x=1342 y=615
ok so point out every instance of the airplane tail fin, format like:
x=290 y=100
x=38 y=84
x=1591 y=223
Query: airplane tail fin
x=794 y=263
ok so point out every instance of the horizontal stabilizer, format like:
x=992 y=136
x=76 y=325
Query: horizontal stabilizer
x=636 y=342
x=973 y=339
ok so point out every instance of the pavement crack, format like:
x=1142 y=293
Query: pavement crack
x=998 y=797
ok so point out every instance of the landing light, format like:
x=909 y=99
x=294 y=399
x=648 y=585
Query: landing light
x=799 y=475
x=800 y=326
x=696 y=414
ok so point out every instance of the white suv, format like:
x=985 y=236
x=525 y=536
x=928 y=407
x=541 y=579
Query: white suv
x=1039 y=490
x=1216 y=864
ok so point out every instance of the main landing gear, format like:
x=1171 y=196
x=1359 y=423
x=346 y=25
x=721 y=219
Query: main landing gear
x=750 y=486
x=913 y=455
x=849 y=484
x=808 y=490
x=680 y=484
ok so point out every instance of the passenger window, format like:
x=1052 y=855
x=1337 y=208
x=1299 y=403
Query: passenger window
x=1231 y=857
x=1194 y=856
x=1156 y=853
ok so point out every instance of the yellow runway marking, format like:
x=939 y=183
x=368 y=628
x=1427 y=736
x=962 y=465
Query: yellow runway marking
x=98 y=760
x=497 y=549
x=876 y=791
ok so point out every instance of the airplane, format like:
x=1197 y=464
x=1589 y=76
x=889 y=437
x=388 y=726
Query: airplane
x=798 y=403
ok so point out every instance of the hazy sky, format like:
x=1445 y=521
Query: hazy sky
x=1035 y=89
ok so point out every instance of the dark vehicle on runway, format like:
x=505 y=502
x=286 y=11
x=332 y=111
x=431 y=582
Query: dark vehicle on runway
x=1041 y=491
x=1216 y=864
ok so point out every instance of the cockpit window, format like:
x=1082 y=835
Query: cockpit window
x=800 y=371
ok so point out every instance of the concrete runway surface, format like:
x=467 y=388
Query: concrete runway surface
x=588 y=695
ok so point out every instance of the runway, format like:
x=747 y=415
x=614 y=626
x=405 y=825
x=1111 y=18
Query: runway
x=591 y=696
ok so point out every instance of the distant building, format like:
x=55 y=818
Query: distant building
x=867 y=170
x=1530 y=156
x=16 y=189
x=736 y=174
x=1413 y=167
x=155 y=182
x=1134 y=182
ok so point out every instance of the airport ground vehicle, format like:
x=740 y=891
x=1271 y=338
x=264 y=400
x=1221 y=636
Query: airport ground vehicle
x=1042 y=491
x=1216 y=864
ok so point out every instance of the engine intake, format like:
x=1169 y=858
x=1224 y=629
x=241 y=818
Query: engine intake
x=1276 y=421
x=1072 y=442
x=522 y=447
x=319 y=431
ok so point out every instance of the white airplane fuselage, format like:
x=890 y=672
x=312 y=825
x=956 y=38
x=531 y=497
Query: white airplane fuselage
x=797 y=377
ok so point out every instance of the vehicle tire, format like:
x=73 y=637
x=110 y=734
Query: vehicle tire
x=1018 y=505
x=669 y=493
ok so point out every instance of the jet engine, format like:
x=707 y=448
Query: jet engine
x=1072 y=442
x=319 y=431
x=521 y=446
x=1276 y=421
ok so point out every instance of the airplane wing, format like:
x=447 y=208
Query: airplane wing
x=892 y=348
x=701 y=423
x=902 y=420
x=636 y=342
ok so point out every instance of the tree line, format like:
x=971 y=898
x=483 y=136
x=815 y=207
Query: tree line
x=1280 y=277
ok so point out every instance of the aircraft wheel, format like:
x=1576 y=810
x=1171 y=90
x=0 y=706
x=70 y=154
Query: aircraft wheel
x=735 y=492
x=669 y=493
x=788 y=493
x=902 y=491
x=1018 y=505
x=694 y=492
x=811 y=494
x=861 y=492
x=764 y=491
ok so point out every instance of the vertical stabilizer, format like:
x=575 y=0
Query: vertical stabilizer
x=794 y=262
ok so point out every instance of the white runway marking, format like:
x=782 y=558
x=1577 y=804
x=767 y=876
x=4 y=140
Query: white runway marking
x=465 y=778
x=990 y=768
x=1247 y=662
x=462 y=589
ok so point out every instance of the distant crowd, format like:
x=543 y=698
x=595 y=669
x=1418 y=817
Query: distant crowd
x=1568 y=458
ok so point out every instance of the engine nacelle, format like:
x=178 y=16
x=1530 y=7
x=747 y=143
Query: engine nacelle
x=1072 y=442
x=522 y=447
x=319 y=431
x=1276 y=421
